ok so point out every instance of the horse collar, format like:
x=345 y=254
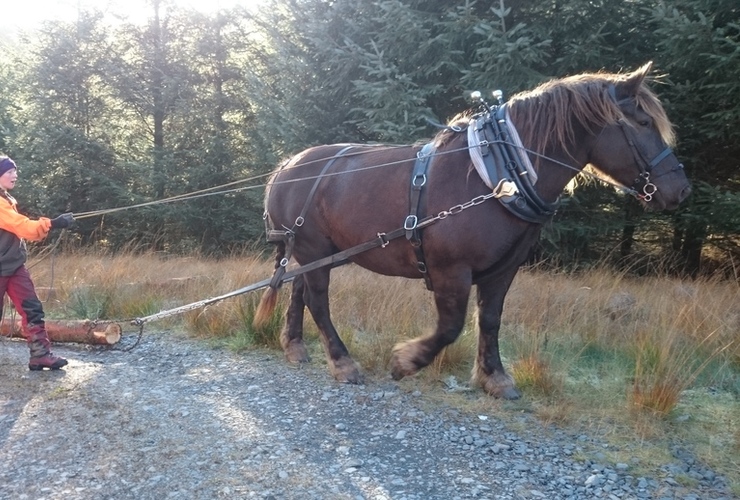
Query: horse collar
x=495 y=150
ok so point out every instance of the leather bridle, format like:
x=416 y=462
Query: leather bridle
x=643 y=187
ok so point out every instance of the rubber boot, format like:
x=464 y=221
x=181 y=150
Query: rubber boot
x=41 y=355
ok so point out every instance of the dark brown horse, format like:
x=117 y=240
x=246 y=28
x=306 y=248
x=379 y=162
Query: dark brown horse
x=611 y=122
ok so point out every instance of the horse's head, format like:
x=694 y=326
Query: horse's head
x=635 y=149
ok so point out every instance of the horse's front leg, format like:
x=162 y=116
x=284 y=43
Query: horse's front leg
x=451 y=294
x=291 y=337
x=488 y=371
x=341 y=364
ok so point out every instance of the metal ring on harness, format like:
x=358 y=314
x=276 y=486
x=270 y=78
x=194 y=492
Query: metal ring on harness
x=423 y=181
x=383 y=241
x=649 y=189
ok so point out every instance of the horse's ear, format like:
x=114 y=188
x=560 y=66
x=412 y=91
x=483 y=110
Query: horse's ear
x=630 y=86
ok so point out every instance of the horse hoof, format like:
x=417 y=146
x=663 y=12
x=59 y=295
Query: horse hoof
x=346 y=371
x=510 y=393
x=498 y=385
x=402 y=362
x=354 y=379
x=296 y=353
x=400 y=369
x=397 y=374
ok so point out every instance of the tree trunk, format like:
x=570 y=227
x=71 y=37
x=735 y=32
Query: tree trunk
x=691 y=249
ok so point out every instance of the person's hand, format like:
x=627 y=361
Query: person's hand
x=63 y=221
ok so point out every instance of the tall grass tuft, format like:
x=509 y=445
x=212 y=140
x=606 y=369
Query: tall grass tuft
x=533 y=373
x=658 y=380
x=90 y=303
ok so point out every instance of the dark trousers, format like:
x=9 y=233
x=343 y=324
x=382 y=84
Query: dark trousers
x=22 y=293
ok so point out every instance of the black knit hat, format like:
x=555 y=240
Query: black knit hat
x=6 y=164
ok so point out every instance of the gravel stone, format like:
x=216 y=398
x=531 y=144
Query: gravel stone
x=176 y=418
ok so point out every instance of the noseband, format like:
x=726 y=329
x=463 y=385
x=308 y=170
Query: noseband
x=642 y=188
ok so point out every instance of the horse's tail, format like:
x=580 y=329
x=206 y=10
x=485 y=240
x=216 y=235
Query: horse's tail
x=269 y=299
x=266 y=307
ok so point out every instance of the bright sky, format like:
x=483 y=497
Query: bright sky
x=28 y=14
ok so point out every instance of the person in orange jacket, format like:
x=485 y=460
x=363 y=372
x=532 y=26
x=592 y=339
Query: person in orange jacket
x=15 y=280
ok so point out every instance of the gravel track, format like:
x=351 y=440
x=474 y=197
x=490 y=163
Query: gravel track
x=175 y=418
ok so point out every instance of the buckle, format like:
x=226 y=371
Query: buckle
x=505 y=188
x=410 y=223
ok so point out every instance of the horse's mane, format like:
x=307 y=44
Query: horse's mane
x=544 y=114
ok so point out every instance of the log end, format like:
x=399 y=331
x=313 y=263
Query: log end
x=113 y=333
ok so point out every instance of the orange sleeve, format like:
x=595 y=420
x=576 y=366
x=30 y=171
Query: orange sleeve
x=22 y=226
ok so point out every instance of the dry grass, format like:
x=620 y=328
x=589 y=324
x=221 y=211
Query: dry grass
x=534 y=373
x=632 y=359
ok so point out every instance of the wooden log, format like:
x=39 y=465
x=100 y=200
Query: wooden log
x=80 y=331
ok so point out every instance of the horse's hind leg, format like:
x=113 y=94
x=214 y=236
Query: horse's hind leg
x=341 y=365
x=451 y=299
x=291 y=337
x=488 y=371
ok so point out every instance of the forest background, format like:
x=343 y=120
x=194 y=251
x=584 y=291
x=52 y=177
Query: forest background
x=102 y=114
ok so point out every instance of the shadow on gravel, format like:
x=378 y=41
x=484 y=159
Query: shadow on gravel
x=19 y=386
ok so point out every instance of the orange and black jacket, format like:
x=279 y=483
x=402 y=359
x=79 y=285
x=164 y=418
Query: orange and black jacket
x=14 y=229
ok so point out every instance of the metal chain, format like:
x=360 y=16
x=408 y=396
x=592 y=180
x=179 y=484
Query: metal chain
x=456 y=209
x=136 y=342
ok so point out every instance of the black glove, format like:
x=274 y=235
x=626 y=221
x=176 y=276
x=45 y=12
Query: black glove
x=63 y=221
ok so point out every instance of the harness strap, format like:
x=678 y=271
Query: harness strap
x=301 y=218
x=280 y=267
x=341 y=258
x=410 y=225
x=662 y=156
